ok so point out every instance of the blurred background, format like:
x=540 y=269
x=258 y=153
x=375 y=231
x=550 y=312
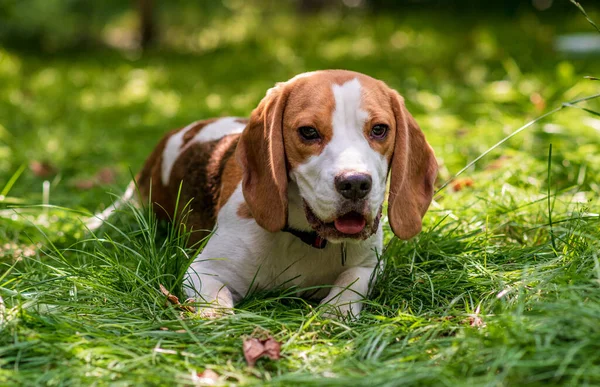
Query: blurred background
x=87 y=88
x=53 y=25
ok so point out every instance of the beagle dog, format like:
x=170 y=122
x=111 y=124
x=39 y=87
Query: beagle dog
x=294 y=194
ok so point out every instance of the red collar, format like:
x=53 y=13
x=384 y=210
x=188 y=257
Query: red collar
x=311 y=238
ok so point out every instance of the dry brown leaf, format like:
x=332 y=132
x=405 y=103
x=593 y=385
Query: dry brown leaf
x=171 y=297
x=188 y=308
x=42 y=168
x=460 y=184
x=174 y=300
x=273 y=349
x=254 y=349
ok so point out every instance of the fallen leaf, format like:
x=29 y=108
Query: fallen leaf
x=174 y=300
x=171 y=297
x=163 y=328
x=460 y=184
x=42 y=168
x=188 y=308
x=273 y=349
x=254 y=349
x=208 y=376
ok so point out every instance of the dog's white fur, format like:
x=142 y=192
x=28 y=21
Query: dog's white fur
x=172 y=152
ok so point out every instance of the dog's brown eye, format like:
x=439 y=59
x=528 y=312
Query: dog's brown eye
x=379 y=131
x=309 y=133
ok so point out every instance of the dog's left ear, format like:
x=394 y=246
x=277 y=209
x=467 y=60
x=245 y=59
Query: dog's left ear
x=414 y=170
x=262 y=157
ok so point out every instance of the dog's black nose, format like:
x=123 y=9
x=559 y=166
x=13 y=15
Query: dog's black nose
x=352 y=185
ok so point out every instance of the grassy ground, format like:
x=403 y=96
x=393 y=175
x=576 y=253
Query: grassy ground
x=501 y=288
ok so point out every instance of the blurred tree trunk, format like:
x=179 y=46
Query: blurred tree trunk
x=310 y=6
x=147 y=23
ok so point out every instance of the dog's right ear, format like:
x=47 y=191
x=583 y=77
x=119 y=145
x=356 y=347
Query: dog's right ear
x=262 y=157
x=414 y=170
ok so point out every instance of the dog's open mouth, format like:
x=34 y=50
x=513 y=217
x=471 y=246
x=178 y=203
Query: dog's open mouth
x=351 y=225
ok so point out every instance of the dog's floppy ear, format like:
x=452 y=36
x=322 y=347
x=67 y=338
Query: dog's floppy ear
x=414 y=170
x=262 y=156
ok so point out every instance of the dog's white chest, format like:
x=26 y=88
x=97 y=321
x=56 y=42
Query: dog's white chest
x=246 y=257
x=291 y=262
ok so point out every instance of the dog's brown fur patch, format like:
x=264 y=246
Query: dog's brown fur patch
x=207 y=173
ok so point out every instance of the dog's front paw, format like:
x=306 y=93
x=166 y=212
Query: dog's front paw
x=210 y=313
x=340 y=311
x=216 y=300
x=213 y=309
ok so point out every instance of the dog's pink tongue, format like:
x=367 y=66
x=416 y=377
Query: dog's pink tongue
x=351 y=223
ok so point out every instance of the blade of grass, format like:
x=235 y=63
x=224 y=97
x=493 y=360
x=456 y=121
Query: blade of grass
x=549 y=184
x=12 y=181
x=585 y=14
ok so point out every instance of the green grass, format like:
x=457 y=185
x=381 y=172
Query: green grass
x=491 y=293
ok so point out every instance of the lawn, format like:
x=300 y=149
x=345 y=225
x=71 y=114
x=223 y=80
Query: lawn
x=502 y=287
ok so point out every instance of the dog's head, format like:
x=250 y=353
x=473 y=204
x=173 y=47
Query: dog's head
x=336 y=134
